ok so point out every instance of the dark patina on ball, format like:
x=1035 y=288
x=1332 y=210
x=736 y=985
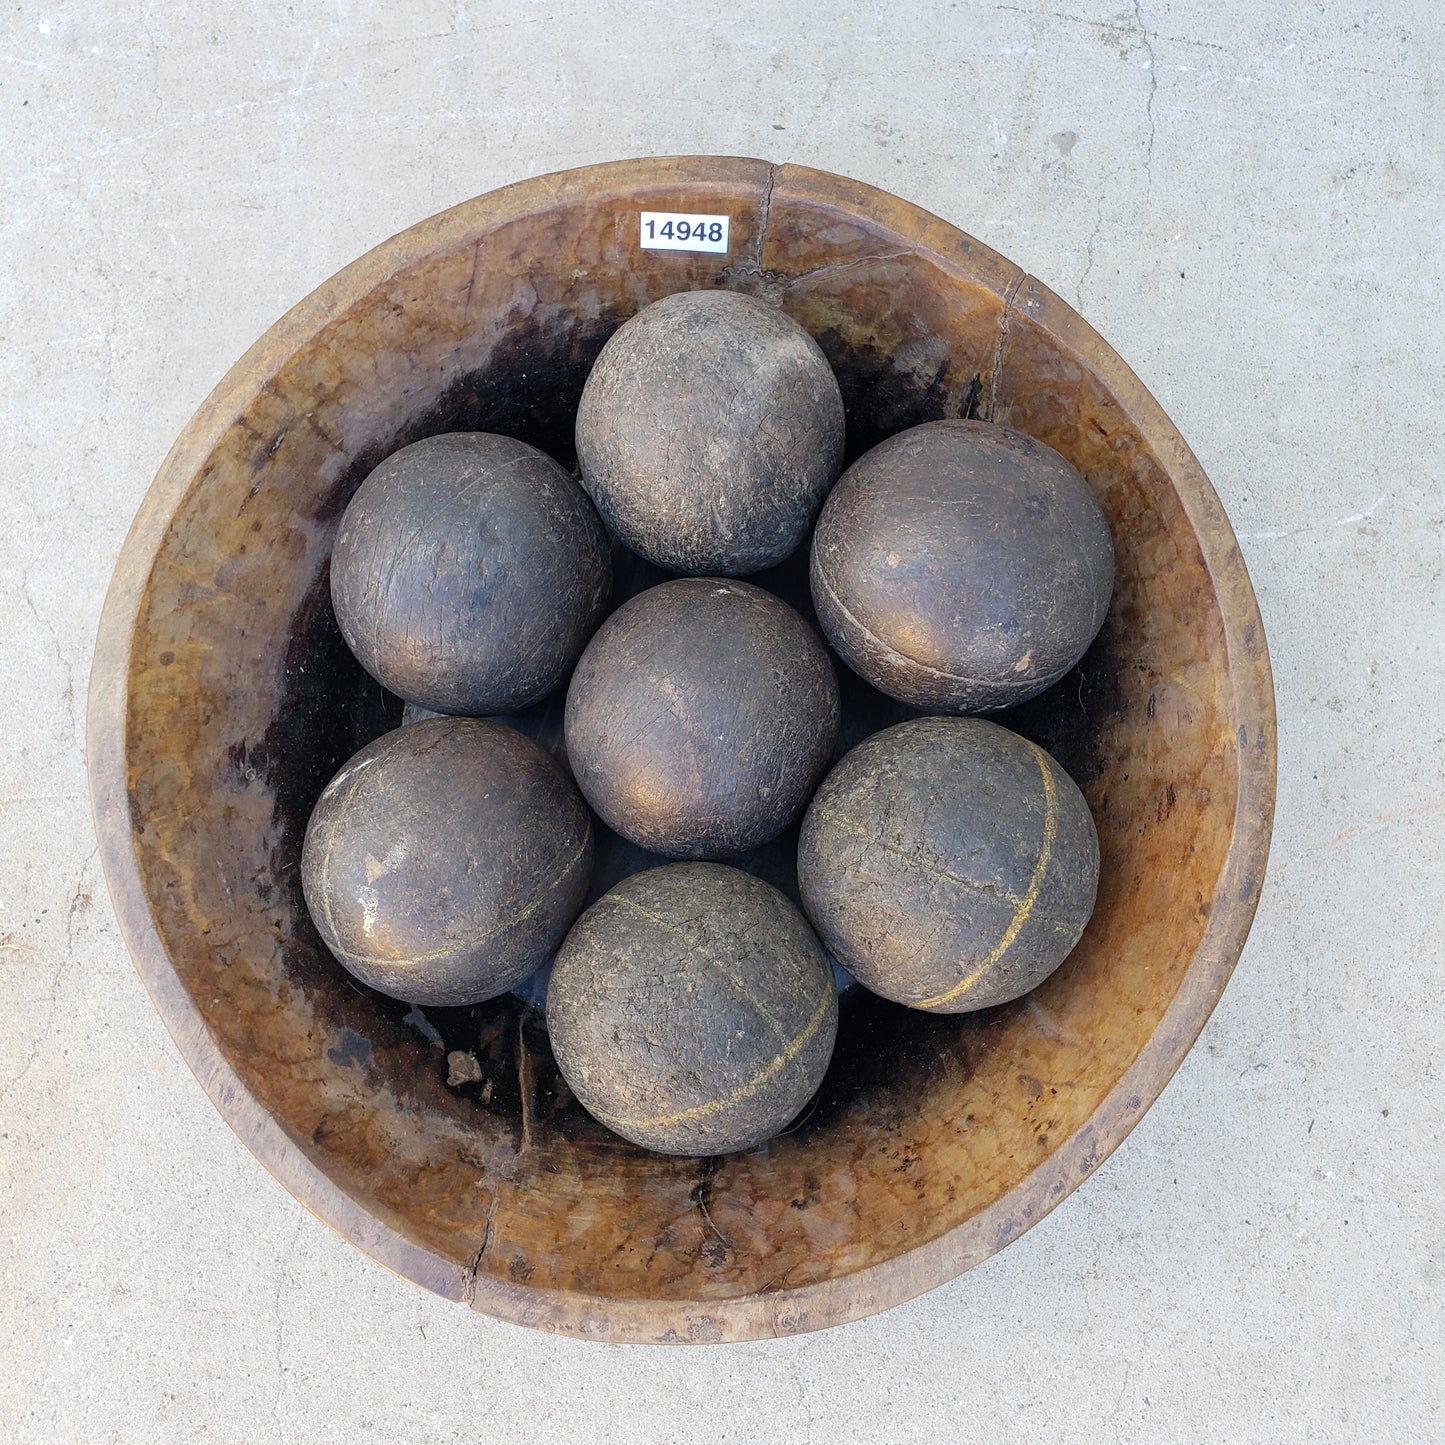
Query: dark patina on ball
x=709 y=431
x=948 y=864
x=446 y=860
x=469 y=570
x=961 y=567
x=701 y=717
x=692 y=1010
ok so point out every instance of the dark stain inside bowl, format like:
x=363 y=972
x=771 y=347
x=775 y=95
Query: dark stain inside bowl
x=331 y=708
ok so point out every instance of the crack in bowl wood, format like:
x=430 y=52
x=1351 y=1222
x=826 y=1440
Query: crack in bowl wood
x=222 y=699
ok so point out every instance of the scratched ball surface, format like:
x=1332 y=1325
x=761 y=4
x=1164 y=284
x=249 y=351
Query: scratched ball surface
x=709 y=431
x=701 y=717
x=961 y=567
x=468 y=573
x=948 y=864
x=446 y=860
x=692 y=1010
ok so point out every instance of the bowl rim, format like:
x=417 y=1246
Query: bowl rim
x=846 y=1297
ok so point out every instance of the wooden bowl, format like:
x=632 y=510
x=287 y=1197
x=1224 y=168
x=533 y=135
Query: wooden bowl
x=222 y=699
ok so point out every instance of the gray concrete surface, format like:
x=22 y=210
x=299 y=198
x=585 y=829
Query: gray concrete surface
x=1249 y=201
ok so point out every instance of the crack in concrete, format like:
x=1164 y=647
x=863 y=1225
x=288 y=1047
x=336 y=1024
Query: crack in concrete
x=1149 y=102
x=1089 y=251
x=44 y=623
x=81 y=898
x=1361 y=829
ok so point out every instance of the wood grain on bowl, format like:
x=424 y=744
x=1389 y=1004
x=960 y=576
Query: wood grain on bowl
x=223 y=699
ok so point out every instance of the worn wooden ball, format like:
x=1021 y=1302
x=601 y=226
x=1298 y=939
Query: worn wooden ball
x=948 y=864
x=701 y=716
x=692 y=1009
x=446 y=860
x=469 y=570
x=709 y=431
x=961 y=567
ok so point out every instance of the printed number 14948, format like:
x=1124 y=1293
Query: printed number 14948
x=675 y=231
x=685 y=231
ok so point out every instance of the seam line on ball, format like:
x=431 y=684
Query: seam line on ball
x=712 y=958
x=848 y=826
x=893 y=651
x=759 y=1081
x=519 y=917
x=1026 y=907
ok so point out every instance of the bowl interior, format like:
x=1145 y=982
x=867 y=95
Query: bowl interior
x=933 y=1140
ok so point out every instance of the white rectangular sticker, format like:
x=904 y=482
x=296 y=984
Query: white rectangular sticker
x=675 y=231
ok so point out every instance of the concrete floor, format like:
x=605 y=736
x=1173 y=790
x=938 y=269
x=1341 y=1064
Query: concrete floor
x=1247 y=200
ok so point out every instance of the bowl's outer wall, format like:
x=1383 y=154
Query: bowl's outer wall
x=222 y=699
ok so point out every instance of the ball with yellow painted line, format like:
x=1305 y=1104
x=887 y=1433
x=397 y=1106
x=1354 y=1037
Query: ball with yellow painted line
x=949 y=864
x=961 y=567
x=692 y=1010
x=446 y=860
